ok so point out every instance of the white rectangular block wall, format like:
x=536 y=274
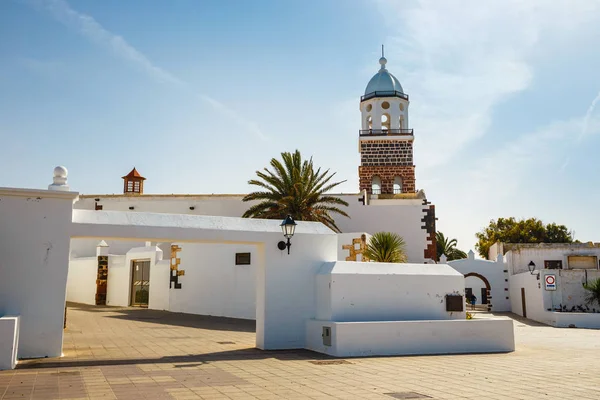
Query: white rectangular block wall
x=383 y=338
x=9 y=341
x=34 y=260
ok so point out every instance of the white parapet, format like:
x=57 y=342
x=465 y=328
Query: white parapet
x=9 y=341
x=386 y=338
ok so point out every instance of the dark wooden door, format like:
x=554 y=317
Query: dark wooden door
x=523 y=304
x=484 y=296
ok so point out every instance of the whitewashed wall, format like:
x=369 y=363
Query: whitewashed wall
x=118 y=281
x=213 y=284
x=402 y=216
x=34 y=258
x=537 y=253
x=285 y=293
x=493 y=271
x=360 y=291
x=81 y=282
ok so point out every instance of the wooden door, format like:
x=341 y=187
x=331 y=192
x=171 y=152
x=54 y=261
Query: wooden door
x=523 y=303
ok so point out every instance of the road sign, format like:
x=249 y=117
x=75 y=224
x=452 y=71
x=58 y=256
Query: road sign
x=550 y=282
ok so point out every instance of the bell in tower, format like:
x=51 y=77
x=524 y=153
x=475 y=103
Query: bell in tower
x=133 y=183
x=385 y=141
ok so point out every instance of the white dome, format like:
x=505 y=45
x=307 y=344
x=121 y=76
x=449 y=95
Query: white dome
x=60 y=172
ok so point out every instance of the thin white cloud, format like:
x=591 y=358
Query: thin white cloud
x=460 y=59
x=588 y=115
x=88 y=27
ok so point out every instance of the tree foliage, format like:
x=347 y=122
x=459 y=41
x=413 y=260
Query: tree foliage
x=593 y=292
x=294 y=187
x=448 y=247
x=386 y=247
x=510 y=230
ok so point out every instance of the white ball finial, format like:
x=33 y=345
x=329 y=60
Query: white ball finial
x=382 y=62
x=59 y=181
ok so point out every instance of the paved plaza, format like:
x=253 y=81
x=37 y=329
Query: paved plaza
x=124 y=353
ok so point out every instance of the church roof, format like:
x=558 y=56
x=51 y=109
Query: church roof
x=133 y=174
x=383 y=81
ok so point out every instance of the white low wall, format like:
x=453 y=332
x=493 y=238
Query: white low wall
x=81 y=281
x=383 y=338
x=578 y=320
x=9 y=341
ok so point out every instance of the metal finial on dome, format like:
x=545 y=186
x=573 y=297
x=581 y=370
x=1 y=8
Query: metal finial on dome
x=382 y=60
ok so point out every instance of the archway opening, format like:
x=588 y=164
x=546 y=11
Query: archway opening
x=478 y=285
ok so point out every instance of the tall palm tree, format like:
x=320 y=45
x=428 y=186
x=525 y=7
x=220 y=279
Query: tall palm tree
x=295 y=188
x=386 y=247
x=593 y=292
x=448 y=247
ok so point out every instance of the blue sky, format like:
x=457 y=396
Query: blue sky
x=199 y=94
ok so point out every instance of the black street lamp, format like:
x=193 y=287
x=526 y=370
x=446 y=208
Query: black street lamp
x=531 y=267
x=288 y=227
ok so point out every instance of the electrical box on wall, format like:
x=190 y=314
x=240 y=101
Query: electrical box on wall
x=326 y=336
x=454 y=302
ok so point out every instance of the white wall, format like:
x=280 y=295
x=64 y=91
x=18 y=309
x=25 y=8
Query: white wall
x=213 y=284
x=355 y=339
x=362 y=291
x=535 y=295
x=34 y=258
x=9 y=341
x=160 y=275
x=285 y=283
x=402 y=216
x=525 y=253
x=493 y=271
x=118 y=281
x=81 y=281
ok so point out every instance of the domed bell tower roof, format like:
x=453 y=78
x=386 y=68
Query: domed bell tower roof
x=383 y=83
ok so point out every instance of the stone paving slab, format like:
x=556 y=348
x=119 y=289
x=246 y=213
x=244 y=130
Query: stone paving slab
x=124 y=353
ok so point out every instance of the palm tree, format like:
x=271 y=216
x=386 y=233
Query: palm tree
x=593 y=292
x=448 y=247
x=386 y=247
x=295 y=188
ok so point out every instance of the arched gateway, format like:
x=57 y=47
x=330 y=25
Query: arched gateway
x=488 y=287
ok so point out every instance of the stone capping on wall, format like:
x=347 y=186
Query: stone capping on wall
x=428 y=220
x=37 y=193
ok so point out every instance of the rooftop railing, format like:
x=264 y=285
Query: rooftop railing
x=385 y=93
x=386 y=132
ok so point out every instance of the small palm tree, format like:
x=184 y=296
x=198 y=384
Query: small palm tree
x=448 y=247
x=295 y=188
x=386 y=247
x=593 y=292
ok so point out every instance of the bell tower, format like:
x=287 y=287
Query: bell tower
x=385 y=141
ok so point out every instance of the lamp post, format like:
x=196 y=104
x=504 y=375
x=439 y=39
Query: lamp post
x=288 y=227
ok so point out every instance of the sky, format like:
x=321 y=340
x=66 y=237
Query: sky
x=197 y=95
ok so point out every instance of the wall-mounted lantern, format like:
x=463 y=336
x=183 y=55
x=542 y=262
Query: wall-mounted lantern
x=288 y=227
x=531 y=268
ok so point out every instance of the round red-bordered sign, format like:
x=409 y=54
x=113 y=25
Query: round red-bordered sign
x=550 y=280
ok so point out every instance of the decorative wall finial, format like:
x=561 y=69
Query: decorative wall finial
x=59 y=180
